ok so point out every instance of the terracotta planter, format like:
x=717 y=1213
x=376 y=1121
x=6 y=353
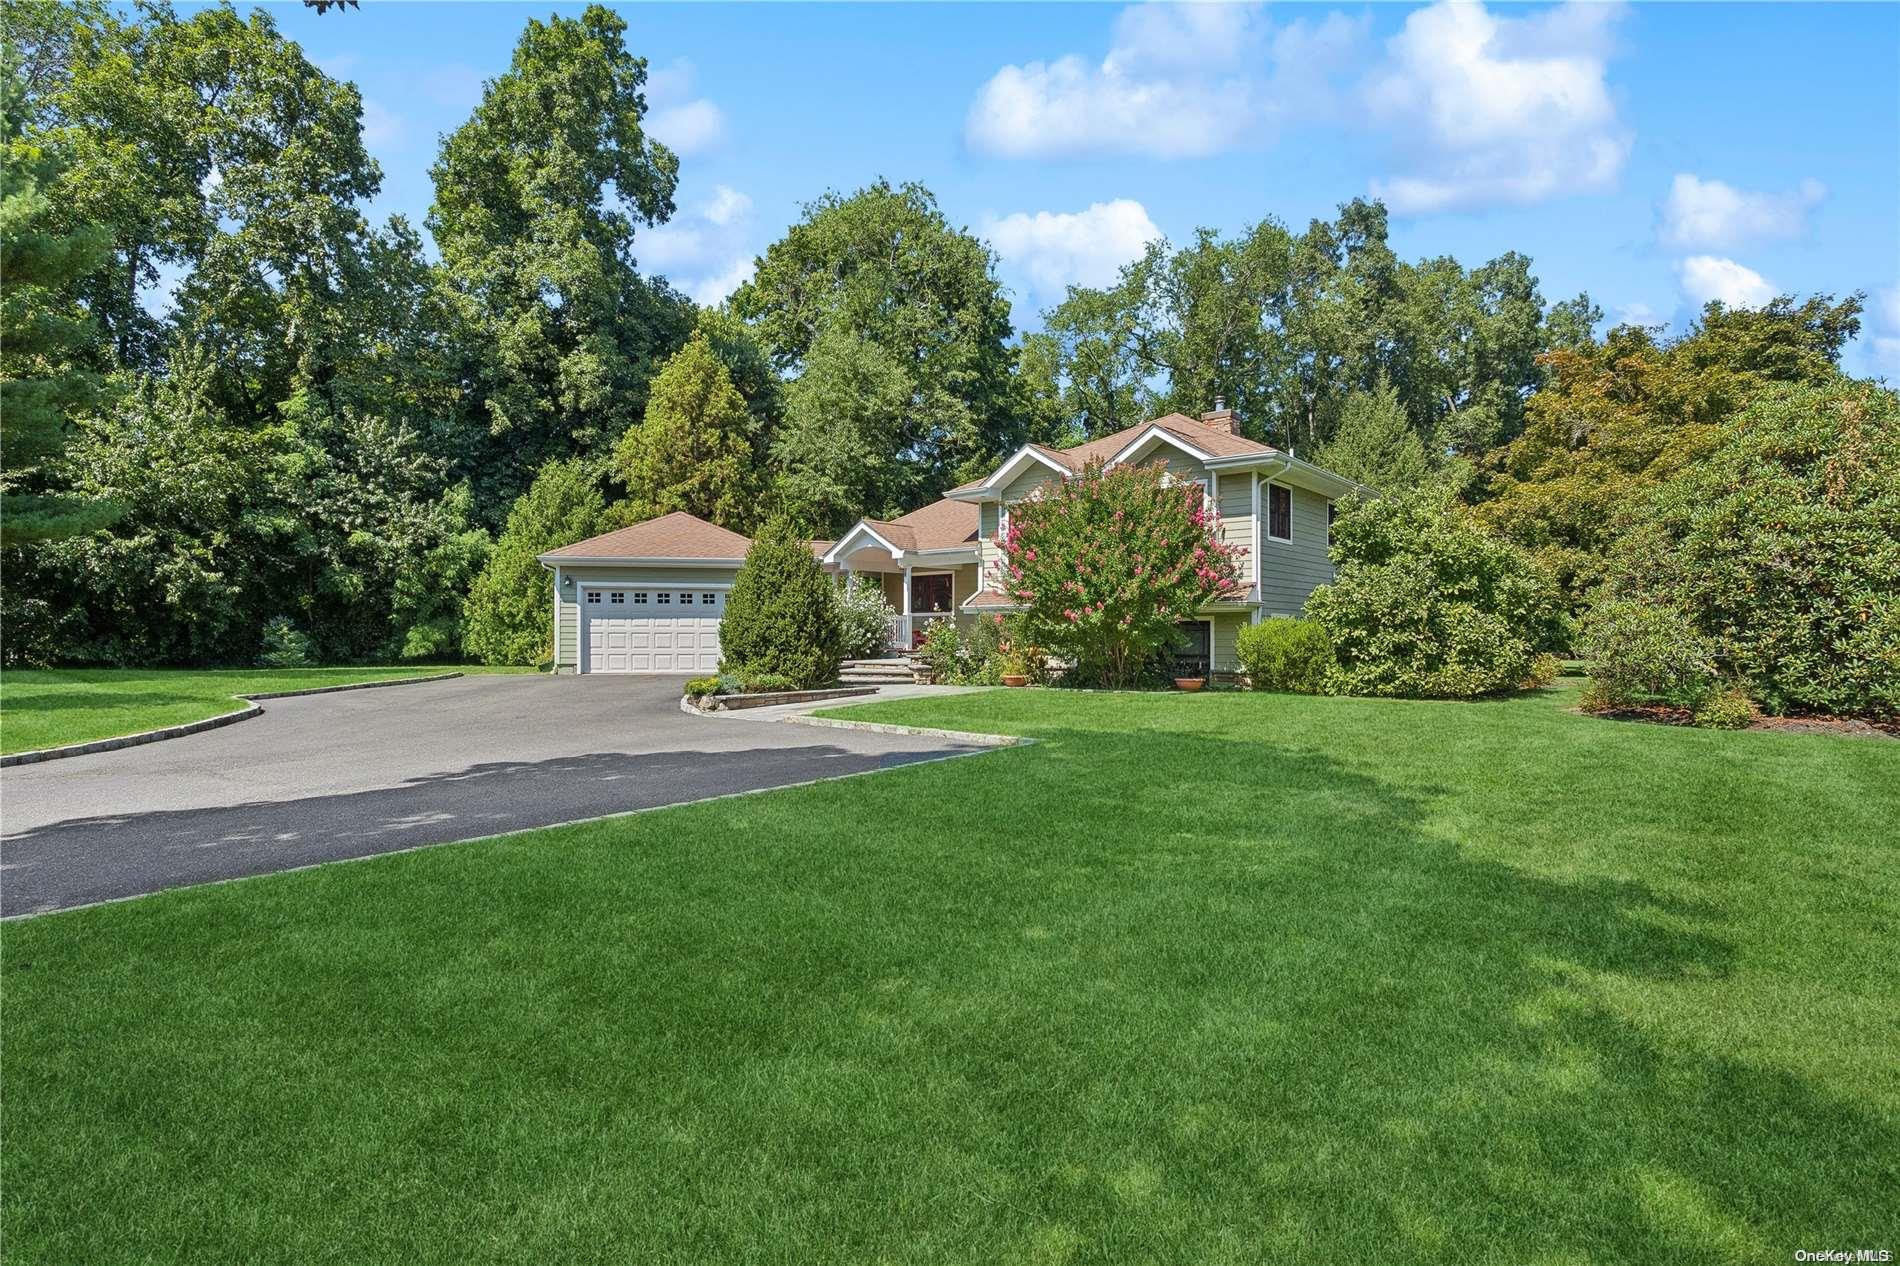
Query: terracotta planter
x=1015 y=679
x=1189 y=684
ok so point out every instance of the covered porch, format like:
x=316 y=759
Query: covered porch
x=924 y=587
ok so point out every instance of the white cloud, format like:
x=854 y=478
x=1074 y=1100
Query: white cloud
x=1887 y=308
x=703 y=249
x=1710 y=213
x=382 y=129
x=684 y=123
x=1886 y=320
x=1494 y=110
x=1639 y=313
x=1179 y=81
x=1709 y=277
x=728 y=206
x=1056 y=250
x=712 y=290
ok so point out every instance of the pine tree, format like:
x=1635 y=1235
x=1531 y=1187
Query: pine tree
x=43 y=338
x=691 y=451
x=1375 y=443
x=782 y=615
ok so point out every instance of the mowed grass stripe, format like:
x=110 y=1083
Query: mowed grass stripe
x=1215 y=978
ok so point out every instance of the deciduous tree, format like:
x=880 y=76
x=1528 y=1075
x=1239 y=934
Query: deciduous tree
x=510 y=608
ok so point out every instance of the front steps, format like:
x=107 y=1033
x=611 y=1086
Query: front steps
x=874 y=672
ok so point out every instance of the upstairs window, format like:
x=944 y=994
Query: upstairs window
x=1332 y=512
x=1279 y=512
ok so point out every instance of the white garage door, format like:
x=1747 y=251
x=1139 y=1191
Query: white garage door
x=651 y=630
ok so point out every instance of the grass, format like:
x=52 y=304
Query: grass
x=1217 y=978
x=56 y=706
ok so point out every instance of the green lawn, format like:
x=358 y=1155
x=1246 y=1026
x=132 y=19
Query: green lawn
x=1194 y=979
x=54 y=707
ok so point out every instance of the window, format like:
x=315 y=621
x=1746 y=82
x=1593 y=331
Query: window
x=1332 y=512
x=686 y=600
x=1279 y=512
x=1002 y=522
x=593 y=597
x=708 y=599
x=616 y=597
x=664 y=599
x=639 y=598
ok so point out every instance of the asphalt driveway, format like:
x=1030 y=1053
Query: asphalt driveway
x=329 y=777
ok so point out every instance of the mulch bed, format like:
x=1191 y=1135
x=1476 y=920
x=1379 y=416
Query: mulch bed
x=1845 y=727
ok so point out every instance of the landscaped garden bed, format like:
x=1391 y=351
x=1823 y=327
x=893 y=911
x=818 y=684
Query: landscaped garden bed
x=714 y=702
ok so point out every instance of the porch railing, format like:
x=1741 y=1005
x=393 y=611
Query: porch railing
x=906 y=632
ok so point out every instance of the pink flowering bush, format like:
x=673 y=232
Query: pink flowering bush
x=1108 y=562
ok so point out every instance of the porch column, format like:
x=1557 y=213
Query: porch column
x=908 y=639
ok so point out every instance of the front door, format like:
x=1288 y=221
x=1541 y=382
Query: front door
x=930 y=594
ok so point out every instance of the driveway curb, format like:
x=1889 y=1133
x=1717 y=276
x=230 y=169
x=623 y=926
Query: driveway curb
x=252 y=708
x=919 y=731
x=971 y=737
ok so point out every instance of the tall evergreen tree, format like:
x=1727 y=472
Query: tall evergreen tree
x=1375 y=443
x=46 y=339
x=691 y=451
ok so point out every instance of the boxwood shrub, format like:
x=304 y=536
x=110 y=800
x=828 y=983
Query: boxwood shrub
x=1288 y=655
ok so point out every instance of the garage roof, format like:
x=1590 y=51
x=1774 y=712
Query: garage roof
x=675 y=535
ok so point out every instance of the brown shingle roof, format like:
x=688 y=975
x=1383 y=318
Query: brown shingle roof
x=1210 y=440
x=675 y=535
x=940 y=525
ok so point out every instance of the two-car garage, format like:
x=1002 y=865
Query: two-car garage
x=644 y=599
x=629 y=629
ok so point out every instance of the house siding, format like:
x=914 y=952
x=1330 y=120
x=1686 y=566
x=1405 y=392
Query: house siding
x=1025 y=484
x=1226 y=636
x=1290 y=570
x=1235 y=502
x=568 y=623
x=1177 y=463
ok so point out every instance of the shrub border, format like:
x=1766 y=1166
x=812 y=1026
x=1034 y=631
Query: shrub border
x=252 y=708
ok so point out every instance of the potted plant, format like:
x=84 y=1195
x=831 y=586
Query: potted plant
x=1015 y=668
x=1189 y=684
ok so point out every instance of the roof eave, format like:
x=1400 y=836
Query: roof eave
x=551 y=560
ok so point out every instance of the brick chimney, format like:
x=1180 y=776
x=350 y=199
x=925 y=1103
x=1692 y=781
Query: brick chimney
x=1221 y=418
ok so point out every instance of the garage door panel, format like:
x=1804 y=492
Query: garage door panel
x=640 y=634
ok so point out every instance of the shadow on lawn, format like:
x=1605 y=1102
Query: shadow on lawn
x=1145 y=997
x=1423 y=1059
x=103 y=856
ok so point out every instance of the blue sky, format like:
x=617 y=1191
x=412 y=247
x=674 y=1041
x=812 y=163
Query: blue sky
x=1654 y=155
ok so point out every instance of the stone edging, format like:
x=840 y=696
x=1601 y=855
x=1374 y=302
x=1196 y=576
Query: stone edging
x=879 y=727
x=252 y=708
x=772 y=698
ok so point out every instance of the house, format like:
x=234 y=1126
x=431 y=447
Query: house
x=648 y=598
